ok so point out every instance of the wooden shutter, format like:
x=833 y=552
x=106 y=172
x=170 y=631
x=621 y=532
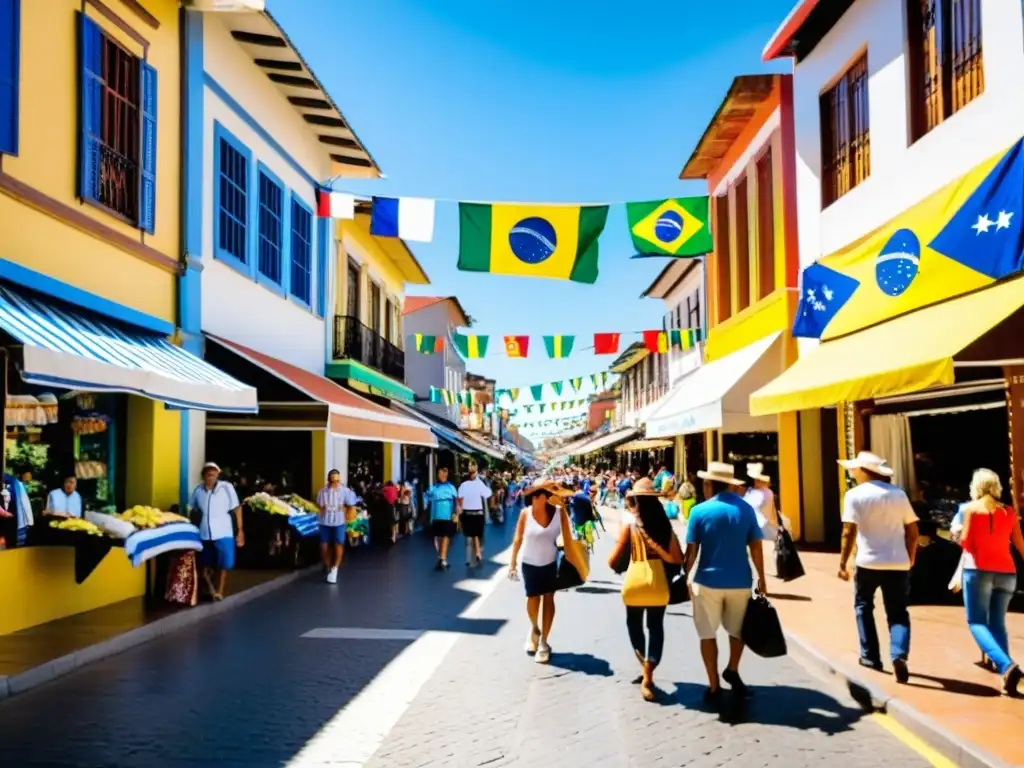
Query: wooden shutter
x=742 y=249
x=147 y=154
x=90 y=41
x=765 y=226
x=10 y=56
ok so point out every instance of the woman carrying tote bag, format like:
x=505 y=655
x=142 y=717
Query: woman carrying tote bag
x=650 y=543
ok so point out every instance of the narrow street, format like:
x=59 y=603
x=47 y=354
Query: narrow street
x=425 y=687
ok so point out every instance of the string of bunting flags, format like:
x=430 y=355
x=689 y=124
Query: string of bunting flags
x=475 y=346
x=555 y=241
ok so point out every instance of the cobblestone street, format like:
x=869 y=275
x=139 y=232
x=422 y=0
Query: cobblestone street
x=247 y=689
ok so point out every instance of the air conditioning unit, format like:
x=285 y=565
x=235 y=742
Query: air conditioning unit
x=227 y=6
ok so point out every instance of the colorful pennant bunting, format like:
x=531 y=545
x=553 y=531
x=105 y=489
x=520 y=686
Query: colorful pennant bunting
x=606 y=343
x=677 y=227
x=408 y=218
x=557 y=386
x=428 y=345
x=335 y=205
x=469 y=346
x=537 y=392
x=517 y=346
x=558 y=347
x=576 y=383
x=656 y=341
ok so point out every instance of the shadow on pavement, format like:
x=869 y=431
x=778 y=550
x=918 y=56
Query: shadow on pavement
x=962 y=687
x=597 y=590
x=586 y=663
x=794 y=598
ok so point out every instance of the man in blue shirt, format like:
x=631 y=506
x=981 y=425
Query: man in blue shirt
x=440 y=499
x=661 y=477
x=722 y=530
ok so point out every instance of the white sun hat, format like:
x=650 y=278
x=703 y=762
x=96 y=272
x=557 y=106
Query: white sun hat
x=869 y=461
x=720 y=472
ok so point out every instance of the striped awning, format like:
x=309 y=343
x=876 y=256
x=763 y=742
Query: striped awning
x=72 y=350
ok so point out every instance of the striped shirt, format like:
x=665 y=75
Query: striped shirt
x=332 y=503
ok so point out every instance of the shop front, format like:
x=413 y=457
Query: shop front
x=91 y=423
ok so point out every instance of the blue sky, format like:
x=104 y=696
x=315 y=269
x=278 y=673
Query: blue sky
x=540 y=101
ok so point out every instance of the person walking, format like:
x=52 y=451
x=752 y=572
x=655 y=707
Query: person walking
x=333 y=499
x=659 y=542
x=216 y=501
x=441 y=500
x=721 y=531
x=878 y=518
x=535 y=546
x=762 y=499
x=474 y=494
x=987 y=531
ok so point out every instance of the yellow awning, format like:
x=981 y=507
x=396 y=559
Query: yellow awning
x=906 y=354
x=644 y=445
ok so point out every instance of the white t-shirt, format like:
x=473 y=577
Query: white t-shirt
x=216 y=506
x=70 y=505
x=474 y=494
x=881 y=512
x=763 y=502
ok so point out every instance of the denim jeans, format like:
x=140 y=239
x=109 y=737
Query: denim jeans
x=650 y=646
x=986 y=597
x=895 y=586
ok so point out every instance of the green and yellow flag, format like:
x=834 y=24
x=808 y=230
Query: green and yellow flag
x=513 y=393
x=559 y=346
x=684 y=338
x=428 y=345
x=470 y=347
x=537 y=391
x=676 y=227
x=557 y=386
x=576 y=383
x=553 y=241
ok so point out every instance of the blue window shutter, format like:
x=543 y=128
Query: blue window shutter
x=91 y=117
x=10 y=56
x=147 y=152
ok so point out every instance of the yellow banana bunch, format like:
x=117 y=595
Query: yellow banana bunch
x=76 y=524
x=143 y=517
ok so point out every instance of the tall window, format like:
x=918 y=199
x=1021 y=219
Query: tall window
x=232 y=199
x=693 y=319
x=845 y=133
x=352 y=288
x=723 y=295
x=946 y=65
x=765 y=226
x=375 y=307
x=302 y=252
x=271 y=200
x=389 y=320
x=741 y=247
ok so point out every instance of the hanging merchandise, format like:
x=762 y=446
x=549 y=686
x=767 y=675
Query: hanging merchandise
x=469 y=346
x=676 y=227
x=558 y=347
x=428 y=345
x=553 y=241
x=335 y=205
x=409 y=218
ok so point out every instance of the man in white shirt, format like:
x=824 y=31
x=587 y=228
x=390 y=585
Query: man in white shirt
x=65 y=501
x=217 y=501
x=473 y=496
x=878 y=518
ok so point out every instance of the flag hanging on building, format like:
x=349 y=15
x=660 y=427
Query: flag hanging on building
x=335 y=205
x=677 y=227
x=558 y=347
x=684 y=338
x=606 y=343
x=553 y=241
x=410 y=218
x=656 y=341
x=513 y=393
x=517 y=346
x=557 y=386
x=470 y=346
x=428 y=345
x=438 y=395
x=576 y=383
x=537 y=392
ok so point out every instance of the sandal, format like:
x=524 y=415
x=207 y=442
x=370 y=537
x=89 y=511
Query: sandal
x=217 y=597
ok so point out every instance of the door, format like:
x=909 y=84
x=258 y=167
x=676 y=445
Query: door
x=389 y=320
x=352 y=300
x=375 y=308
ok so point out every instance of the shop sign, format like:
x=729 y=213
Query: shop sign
x=1015 y=410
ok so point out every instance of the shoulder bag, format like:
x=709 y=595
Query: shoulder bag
x=645 y=584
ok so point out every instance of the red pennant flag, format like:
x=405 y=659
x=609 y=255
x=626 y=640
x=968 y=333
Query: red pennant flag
x=517 y=346
x=656 y=341
x=606 y=343
x=335 y=205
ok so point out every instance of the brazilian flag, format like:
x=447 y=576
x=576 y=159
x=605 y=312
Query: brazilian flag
x=676 y=227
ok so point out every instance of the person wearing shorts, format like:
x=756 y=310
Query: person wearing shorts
x=721 y=531
x=217 y=503
x=441 y=499
x=333 y=499
x=474 y=496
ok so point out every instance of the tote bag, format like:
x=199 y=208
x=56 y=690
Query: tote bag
x=573 y=567
x=645 y=584
x=787 y=560
x=762 y=631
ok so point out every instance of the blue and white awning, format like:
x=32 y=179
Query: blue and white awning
x=63 y=348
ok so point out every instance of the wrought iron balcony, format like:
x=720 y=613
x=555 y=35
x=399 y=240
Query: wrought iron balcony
x=355 y=341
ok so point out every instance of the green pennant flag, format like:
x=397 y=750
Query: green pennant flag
x=557 y=386
x=675 y=227
x=558 y=347
x=470 y=347
x=541 y=407
x=436 y=395
x=537 y=391
x=576 y=383
x=528 y=408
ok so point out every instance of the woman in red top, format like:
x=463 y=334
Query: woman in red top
x=990 y=575
x=390 y=495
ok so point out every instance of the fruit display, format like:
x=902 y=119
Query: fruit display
x=90 y=470
x=88 y=424
x=149 y=517
x=271 y=505
x=76 y=524
x=303 y=505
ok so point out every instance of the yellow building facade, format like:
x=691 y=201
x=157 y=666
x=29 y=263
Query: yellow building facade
x=89 y=218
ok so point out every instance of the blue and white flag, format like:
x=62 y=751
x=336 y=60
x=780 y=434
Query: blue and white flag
x=823 y=292
x=410 y=218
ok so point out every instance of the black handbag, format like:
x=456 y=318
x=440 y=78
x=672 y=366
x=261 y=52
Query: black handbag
x=678 y=589
x=787 y=560
x=762 y=631
x=566 y=575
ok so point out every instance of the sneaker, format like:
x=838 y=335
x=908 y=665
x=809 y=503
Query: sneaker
x=532 y=640
x=900 y=670
x=543 y=655
x=870 y=664
x=732 y=677
x=332 y=576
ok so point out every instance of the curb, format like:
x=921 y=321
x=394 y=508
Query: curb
x=11 y=685
x=873 y=698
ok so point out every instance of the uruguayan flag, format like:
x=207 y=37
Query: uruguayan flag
x=410 y=218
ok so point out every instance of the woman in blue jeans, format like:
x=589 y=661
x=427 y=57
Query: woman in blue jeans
x=990 y=574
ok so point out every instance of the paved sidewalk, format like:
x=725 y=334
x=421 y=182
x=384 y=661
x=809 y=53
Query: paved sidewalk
x=960 y=699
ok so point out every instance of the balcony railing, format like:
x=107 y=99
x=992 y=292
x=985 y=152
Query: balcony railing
x=355 y=341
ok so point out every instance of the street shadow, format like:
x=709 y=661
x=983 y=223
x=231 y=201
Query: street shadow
x=961 y=687
x=598 y=590
x=585 y=663
x=784 y=706
x=794 y=598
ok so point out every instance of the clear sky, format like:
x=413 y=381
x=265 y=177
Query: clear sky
x=540 y=101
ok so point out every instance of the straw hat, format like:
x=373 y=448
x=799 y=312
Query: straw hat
x=547 y=486
x=720 y=472
x=644 y=487
x=756 y=472
x=869 y=461
x=209 y=465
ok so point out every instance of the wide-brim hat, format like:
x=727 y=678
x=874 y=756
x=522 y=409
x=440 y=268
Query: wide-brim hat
x=209 y=465
x=756 y=472
x=547 y=486
x=643 y=487
x=869 y=461
x=720 y=472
